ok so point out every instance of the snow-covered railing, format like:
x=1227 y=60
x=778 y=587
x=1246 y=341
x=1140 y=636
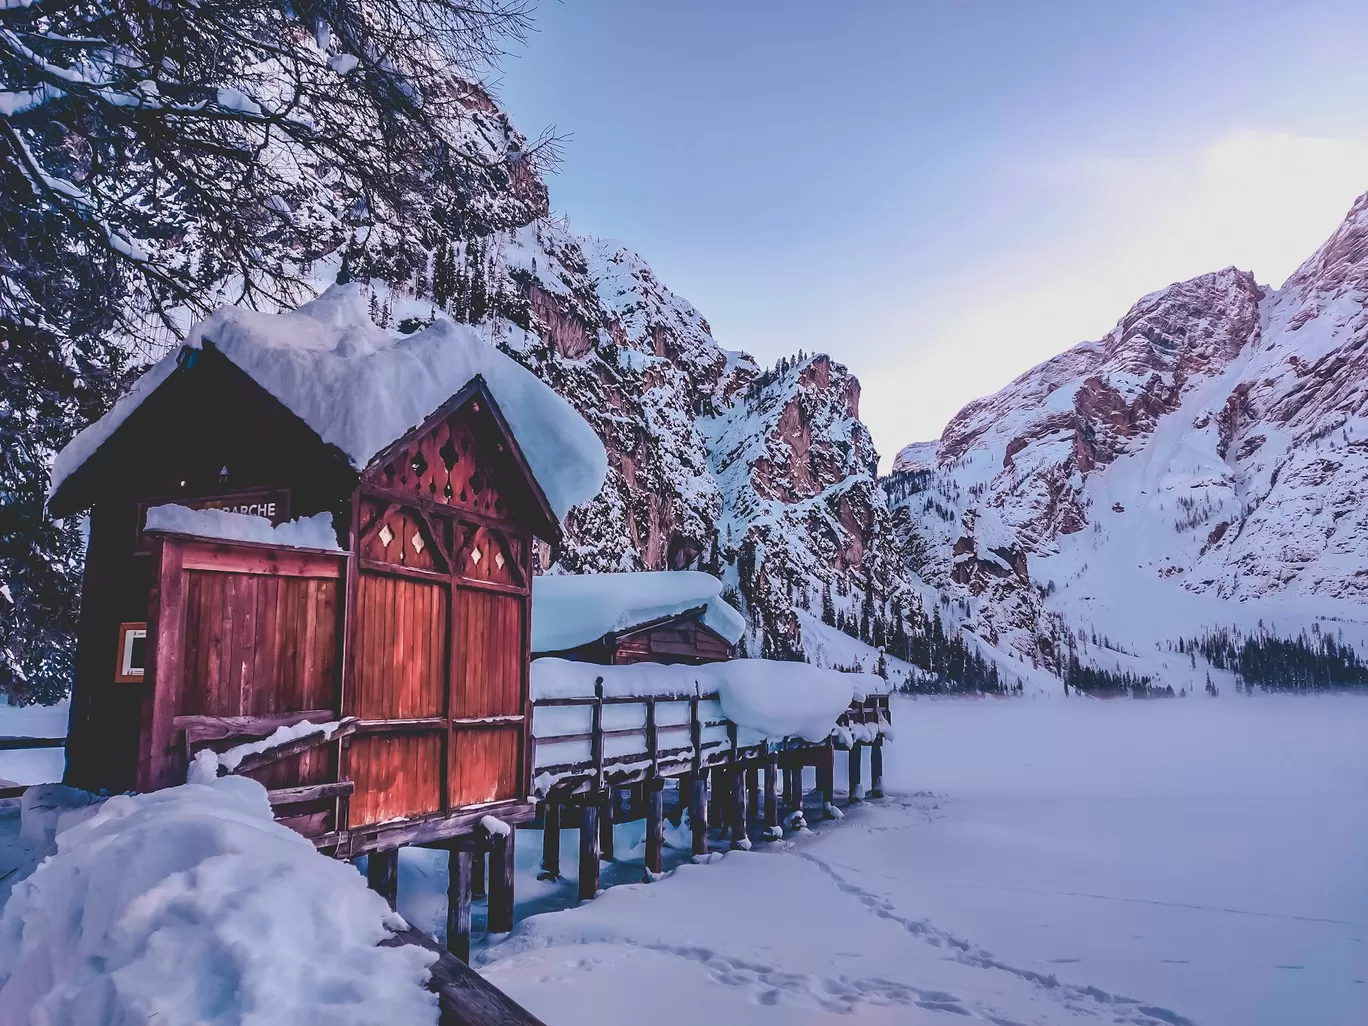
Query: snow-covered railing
x=598 y=726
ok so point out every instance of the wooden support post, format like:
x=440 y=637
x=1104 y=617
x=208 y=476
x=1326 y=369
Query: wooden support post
x=589 y=853
x=720 y=800
x=790 y=789
x=698 y=812
x=876 y=769
x=459 y=867
x=826 y=777
x=500 y=916
x=856 y=788
x=551 y=819
x=477 y=875
x=740 y=837
x=753 y=788
x=655 y=826
x=382 y=874
x=607 y=813
x=772 y=797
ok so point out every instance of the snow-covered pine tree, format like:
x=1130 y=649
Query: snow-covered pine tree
x=156 y=160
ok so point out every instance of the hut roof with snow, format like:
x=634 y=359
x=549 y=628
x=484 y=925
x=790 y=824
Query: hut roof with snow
x=318 y=391
x=665 y=616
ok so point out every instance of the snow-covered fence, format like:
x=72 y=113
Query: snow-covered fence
x=601 y=732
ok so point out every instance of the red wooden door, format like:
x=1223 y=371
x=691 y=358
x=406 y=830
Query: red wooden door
x=488 y=693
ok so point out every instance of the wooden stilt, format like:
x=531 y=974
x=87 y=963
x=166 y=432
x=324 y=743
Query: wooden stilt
x=477 y=875
x=856 y=758
x=551 y=829
x=500 y=915
x=876 y=769
x=772 y=797
x=826 y=777
x=607 y=811
x=382 y=874
x=740 y=837
x=459 y=868
x=698 y=812
x=753 y=789
x=655 y=825
x=790 y=788
x=719 y=797
x=589 y=853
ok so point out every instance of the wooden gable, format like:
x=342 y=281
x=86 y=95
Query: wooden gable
x=465 y=459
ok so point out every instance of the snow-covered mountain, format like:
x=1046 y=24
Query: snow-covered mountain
x=1202 y=465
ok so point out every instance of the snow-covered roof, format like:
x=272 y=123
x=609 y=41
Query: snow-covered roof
x=569 y=610
x=361 y=387
x=771 y=700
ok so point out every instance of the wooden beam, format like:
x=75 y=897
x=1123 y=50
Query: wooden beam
x=300 y=744
x=740 y=837
x=607 y=810
x=459 y=866
x=551 y=828
x=14 y=744
x=501 y=857
x=382 y=874
x=588 y=851
x=655 y=826
x=260 y=558
x=477 y=874
x=772 y=797
x=467 y=999
x=826 y=776
x=429 y=829
x=753 y=788
x=698 y=812
x=199 y=729
x=309 y=793
x=876 y=760
x=856 y=749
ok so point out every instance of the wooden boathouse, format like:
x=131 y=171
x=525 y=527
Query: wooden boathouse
x=663 y=616
x=314 y=539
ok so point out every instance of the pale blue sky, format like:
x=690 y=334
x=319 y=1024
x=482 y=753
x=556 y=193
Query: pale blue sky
x=941 y=194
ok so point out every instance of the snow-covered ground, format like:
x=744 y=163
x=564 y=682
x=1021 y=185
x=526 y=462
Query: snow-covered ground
x=1038 y=861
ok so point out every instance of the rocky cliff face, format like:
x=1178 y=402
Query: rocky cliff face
x=1213 y=446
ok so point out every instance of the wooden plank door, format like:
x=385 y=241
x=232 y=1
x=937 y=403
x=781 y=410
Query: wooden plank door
x=488 y=696
x=399 y=689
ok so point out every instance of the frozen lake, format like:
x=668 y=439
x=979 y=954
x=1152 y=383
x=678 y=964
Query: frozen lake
x=1037 y=861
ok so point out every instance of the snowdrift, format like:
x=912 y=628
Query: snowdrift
x=192 y=906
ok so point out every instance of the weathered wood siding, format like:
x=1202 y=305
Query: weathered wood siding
x=679 y=641
x=237 y=629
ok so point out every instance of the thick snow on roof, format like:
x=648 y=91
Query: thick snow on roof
x=315 y=532
x=569 y=610
x=361 y=387
x=192 y=905
x=770 y=700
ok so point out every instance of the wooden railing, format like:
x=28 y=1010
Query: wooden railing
x=675 y=735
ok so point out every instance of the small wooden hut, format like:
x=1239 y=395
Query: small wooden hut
x=617 y=619
x=402 y=632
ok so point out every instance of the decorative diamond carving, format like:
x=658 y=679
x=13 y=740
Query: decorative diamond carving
x=475 y=556
x=499 y=560
x=386 y=535
x=417 y=542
